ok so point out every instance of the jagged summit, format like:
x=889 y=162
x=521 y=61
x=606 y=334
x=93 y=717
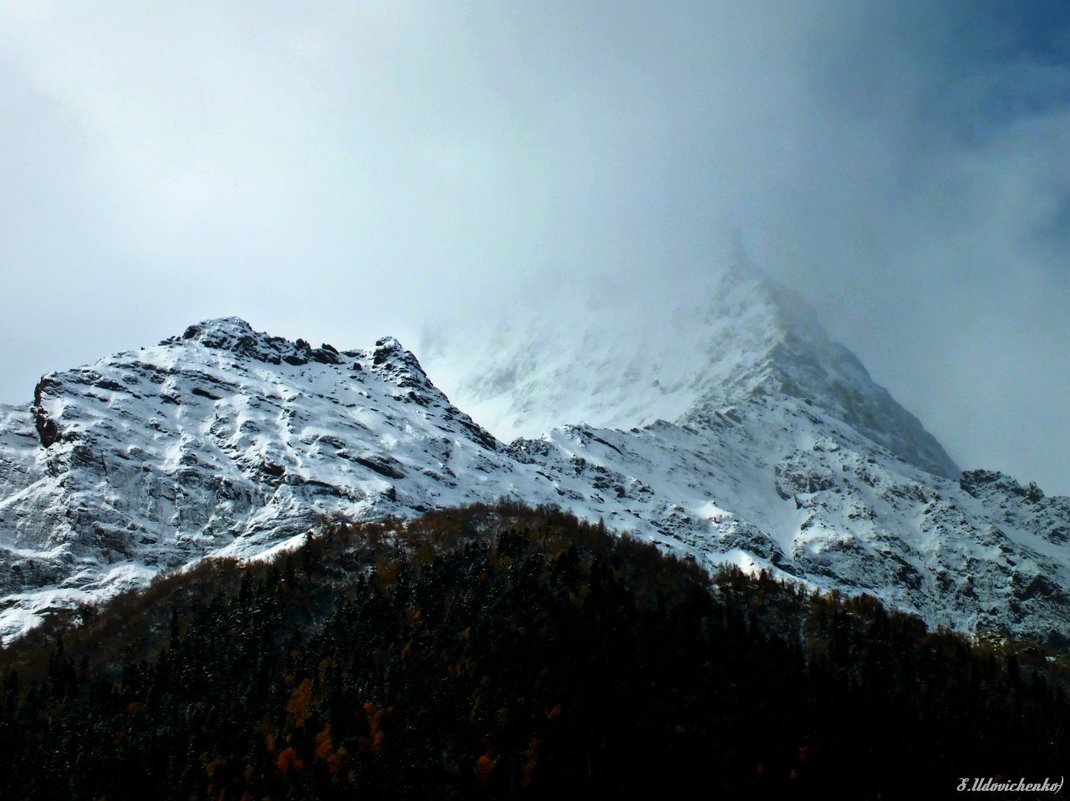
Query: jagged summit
x=202 y=362
x=219 y=332
x=235 y=335
x=741 y=339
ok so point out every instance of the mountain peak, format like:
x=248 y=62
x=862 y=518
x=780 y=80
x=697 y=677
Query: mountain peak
x=740 y=338
x=219 y=332
x=794 y=357
x=235 y=335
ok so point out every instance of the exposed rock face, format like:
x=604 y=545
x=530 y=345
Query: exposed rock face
x=229 y=441
x=46 y=427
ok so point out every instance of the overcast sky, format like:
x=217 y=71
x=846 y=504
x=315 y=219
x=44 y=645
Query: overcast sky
x=342 y=171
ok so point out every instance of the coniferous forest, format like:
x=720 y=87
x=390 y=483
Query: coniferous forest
x=510 y=652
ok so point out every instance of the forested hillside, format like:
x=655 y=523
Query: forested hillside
x=500 y=652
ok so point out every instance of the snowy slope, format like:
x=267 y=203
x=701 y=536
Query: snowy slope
x=782 y=454
x=777 y=484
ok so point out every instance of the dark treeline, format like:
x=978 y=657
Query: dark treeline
x=490 y=653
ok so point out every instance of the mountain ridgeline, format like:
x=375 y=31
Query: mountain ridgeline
x=493 y=652
x=734 y=432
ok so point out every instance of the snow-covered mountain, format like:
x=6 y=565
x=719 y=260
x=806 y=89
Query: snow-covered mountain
x=781 y=453
x=223 y=441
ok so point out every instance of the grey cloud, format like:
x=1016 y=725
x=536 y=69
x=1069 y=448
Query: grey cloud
x=345 y=172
